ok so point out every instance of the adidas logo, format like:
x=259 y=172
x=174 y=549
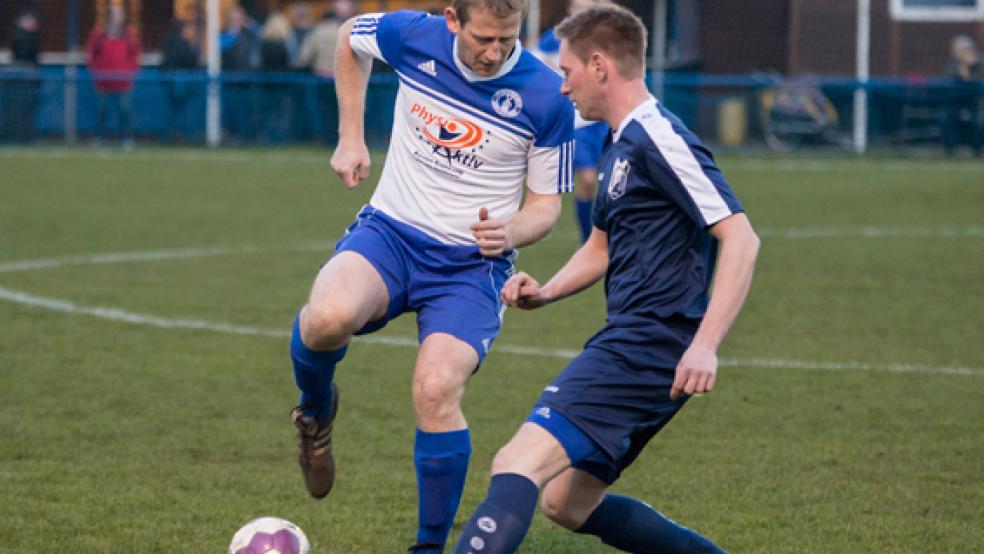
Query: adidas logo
x=428 y=67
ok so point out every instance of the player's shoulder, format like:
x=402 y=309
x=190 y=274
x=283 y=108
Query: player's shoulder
x=653 y=126
x=537 y=82
x=412 y=23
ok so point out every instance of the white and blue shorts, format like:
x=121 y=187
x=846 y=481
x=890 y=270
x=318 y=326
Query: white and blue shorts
x=452 y=288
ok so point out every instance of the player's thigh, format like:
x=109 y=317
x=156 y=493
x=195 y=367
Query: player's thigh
x=348 y=291
x=532 y=452
x=572 y=496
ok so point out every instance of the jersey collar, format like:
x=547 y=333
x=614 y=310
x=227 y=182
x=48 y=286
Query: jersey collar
x=634 y=114
x=473 y=77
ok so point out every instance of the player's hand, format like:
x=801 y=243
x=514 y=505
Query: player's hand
x=490 y=234
x=696 y=372
x=351 y=163
x=524 y=292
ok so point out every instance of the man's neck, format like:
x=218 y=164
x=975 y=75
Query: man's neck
x=625 y=96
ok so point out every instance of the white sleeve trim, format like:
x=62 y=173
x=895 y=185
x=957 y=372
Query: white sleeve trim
x=362 y=37
x=550 y=169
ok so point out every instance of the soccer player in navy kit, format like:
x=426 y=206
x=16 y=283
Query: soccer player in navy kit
x=663 y=216
x=478 y=122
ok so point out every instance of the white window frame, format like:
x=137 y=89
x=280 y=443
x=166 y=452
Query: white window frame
x=902 y=13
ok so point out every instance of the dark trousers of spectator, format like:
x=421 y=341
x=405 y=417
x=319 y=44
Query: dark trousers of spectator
x=239 y=111
x=276 y=109
x=961 y=124
x=306 y=120
x=181 y=99
x=114 y=105
x=329 y=110
x=19 y=101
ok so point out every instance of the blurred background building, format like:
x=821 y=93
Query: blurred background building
x=786 y=74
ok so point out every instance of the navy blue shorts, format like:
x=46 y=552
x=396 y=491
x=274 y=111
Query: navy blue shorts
x=608 y=411
x=453 y=289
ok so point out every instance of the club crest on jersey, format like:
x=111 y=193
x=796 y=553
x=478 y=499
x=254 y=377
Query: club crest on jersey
x=507 y=102
x=619 y=180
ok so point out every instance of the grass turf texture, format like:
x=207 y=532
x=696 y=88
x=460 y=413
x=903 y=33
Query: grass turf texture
x=126 y=438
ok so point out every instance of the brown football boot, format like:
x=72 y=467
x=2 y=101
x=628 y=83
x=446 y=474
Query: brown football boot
x=314 y=449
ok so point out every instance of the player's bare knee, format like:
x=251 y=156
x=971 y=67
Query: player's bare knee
x=557 y=509
x=434 y=395
x=326 y=327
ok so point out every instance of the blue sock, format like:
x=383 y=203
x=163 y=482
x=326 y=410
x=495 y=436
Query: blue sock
x=632 y=526
x=314 y=372
x=500 y=523
x=583 y=208
x=441 y=460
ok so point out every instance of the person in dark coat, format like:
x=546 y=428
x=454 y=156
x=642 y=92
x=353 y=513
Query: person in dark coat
x=962 y=113
x=20 y=90
x=240 y=58
x=181 y=57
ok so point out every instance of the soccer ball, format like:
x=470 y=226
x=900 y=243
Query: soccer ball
x=270 y=535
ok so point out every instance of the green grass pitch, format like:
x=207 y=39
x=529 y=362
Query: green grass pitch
x=144 y=395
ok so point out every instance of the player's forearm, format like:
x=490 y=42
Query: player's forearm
x=584 y=269
x=534 y=221
x=351 y=81
x=732 y=280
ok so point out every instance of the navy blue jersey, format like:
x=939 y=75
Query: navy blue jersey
x=659 y=192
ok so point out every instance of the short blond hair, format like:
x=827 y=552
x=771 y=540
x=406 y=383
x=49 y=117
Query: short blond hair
x=499 y=8
x=611 y=29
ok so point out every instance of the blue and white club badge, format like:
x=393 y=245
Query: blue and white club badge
x=507 y=102
x=619 y=179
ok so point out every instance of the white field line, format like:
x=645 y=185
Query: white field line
x=154 y=255
x=816 y=165
x=872 y=232
x=113 y=314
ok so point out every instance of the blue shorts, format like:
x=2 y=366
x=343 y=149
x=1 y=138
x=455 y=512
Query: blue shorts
x=453 y=289
x=589 y=141
x=604 y=412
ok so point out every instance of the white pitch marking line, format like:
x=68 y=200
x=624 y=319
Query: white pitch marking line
x=135 y=318
x=152 y=255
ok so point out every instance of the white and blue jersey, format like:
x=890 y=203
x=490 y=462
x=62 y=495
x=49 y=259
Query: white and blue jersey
x=462 y=141
x=659 y=191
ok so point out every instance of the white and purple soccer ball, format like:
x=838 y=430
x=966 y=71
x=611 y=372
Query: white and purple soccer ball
x=270 y=535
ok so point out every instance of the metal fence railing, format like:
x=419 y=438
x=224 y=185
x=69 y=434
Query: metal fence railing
x=55 y=104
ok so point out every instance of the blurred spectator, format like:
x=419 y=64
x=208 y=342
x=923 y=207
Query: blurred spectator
x=181 y=56
x=240 y=54
x=303 y=92
x=318 y=53
x=113 y=58
x=275 y=94
x=21 y=86
x=962 y=113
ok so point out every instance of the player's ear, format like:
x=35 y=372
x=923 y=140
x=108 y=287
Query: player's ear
x=598 y=66
x=451 y=17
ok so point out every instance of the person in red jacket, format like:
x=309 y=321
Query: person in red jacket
x=113 y=59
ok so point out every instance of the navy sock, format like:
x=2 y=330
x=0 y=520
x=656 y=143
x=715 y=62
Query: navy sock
x=314 y=372
x=441 y=460
x=501 y=521
x=633 y=526
x=583 y=208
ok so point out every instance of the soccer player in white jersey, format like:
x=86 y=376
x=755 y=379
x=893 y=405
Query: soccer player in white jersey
x=663 y=212
x=477 y=120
